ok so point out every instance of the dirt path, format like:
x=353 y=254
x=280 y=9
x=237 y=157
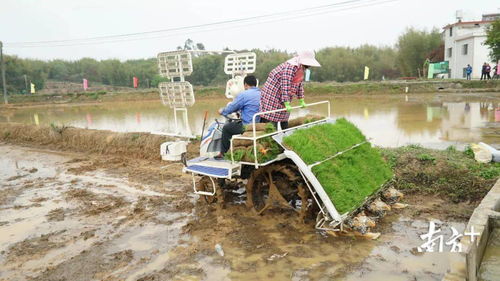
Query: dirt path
x=69 y=216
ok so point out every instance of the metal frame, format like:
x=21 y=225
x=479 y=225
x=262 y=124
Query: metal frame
x=204 y=192
x=177 y=94
x=175 y=64
x=240 y=63
x=254 y=138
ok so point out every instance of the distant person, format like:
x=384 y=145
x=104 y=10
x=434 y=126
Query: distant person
x=495 y=72
x=488 y=70
x=247 y=103
x=468 y=71
x=483 y=71
x=283 y=84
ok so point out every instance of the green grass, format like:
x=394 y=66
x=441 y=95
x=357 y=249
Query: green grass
x=316 y=143
x=349 y=178
x=450 y=174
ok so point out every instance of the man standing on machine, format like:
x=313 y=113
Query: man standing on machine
x=247 y=104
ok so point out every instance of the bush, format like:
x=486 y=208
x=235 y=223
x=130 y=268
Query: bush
x=426 y=157
x=469 y=152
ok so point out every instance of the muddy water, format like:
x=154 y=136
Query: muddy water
x=62 y=216
x=433 y=120
x=490 y=265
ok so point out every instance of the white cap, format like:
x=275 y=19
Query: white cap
x=308 y=58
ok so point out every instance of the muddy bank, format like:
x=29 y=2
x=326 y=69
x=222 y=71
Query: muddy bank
x=449 y=174
x=136 y=145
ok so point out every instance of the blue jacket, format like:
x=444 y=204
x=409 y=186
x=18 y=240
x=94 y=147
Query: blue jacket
x=247 y=102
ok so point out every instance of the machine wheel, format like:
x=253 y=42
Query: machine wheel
x=277 y=185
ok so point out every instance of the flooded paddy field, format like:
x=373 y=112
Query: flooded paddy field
x=123 y=215
x=73 y=216
x=434 y=120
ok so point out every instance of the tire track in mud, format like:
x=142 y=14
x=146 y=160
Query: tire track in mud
x=76 y=226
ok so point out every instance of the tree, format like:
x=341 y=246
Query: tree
x=189 y=45
x=413 y=46
x=493 y=40
x=200 y=46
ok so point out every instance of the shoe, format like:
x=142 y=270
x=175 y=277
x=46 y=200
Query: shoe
x=219 y=156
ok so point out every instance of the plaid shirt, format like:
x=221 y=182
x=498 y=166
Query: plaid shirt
x=279 y=89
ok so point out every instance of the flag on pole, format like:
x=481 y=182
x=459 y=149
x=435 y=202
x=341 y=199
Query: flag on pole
x=136 y=82
x=367 y=72
x=32 y=88
x=85 y=84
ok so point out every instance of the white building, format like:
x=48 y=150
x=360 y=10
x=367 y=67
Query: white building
x=463 y=44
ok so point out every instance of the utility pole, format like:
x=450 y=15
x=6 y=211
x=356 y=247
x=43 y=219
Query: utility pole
x=6 y=101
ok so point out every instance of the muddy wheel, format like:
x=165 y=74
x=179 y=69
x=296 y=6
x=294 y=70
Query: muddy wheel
x=205 y=184
x=277 y=185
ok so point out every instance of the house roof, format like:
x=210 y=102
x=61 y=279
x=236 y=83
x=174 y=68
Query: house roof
x=467 y=22
x=489 y=15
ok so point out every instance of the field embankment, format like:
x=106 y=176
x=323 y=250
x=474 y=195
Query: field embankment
x=450 y=174
x=135 y=145
x=312 y=88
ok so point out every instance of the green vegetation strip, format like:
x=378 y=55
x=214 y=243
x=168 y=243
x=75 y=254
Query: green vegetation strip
x=352 y=176
x=321 y=141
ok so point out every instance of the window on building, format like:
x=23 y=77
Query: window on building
x=465 y=49
x=451 y=31
x=449 y=52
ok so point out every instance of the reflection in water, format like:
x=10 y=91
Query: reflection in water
x=88 y=116
x=490 y=265
x=390 y=120
x=35 y=116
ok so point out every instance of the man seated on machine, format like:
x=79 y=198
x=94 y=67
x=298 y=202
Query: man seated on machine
x=247 y=104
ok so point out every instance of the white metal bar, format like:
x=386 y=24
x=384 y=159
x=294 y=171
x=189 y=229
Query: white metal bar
x=315 y=183
x=284 y=109
x=241 y=137
x=279 y=157
x=255 y=137
x=312 y=192
x=203 y=192
x=186 y=121
x=208 y=51
x=175 y=120
x=337 y=154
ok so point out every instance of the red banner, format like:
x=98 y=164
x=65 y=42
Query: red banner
x=85 y=84
x=136 y=82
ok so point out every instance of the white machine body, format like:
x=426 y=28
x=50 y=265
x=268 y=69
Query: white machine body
x=173 y=150
x=211 y=142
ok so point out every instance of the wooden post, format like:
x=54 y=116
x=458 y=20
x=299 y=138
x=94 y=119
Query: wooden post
x=26 y=84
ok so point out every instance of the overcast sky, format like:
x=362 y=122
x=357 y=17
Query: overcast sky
x=379 y=24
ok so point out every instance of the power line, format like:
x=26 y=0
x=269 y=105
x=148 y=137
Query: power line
x=193 y=26
x=281 y=16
